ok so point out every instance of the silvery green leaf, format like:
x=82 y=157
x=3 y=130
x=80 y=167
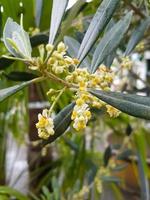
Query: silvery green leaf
x=38 y=11
x=73 y=48
x=97 y=25
x=58 y=10
x=137 y=35
x=61 y=122
x=134 y=105
x=17 y=40
x=110 y=41
x=7 y=92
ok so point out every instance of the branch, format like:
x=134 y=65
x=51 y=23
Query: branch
x=134 y=8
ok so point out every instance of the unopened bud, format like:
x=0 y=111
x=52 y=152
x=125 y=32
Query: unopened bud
x=49 y=47
x=61 y=47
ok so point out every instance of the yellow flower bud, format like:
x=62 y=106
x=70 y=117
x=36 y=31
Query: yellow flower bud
x=76 y=61
x=69 y=78
x=49 y=47
x=57 y=55
x=59 y=70
x=61 y=47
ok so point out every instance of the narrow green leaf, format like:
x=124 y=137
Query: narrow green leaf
x=58 y=11
x=137 y=35
x=20 y=76
x=4 y=63
x=73 y=48
x=112 y=179
x=140 y=143
x=109 y=59
x=110 y=41
x=7 y=92
x=71 y=14
x=61 y=123
x=39 y=39
x=98 y=23
x=1 y=22
x=135 y=106
x=38 y=11
x=12 y=192
x=143 y=180
x=107 y=155
x=129 y=97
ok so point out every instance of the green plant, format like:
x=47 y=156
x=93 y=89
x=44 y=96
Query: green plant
x=82 y=71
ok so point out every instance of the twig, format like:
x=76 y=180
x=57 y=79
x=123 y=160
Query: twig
x=134 y=8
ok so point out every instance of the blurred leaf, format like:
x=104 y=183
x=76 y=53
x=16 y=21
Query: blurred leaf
x=73 y=48
x=61 y=122
x=58 y=11
x=1 y=23
x=110 y=58
x=97 y=25
x=125 y=154
x=134 y=105
x=20 y=76
x=4 y=63
x=129 y=130
x=46 y=192
x=56 y=189
x=18 y=43
x=110 y=41
x=72 y=145
x=14 y=10
x=139 y=139
x=92 y=172
x=107 y=155
x=12 y=192
x=46 y=14
x=143 y=180
x=38 y=11
x=39 y=39
x=111 y=179
x=120 y=167
x=109 y=26
x=137 y=35
x=71 y=14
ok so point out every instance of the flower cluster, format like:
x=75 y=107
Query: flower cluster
x=80 y=115
x=80 y=78
x=58 y=62
x=81 y=194
x=53 y=60
x=45 y=125
x=126 y=63
x=101 y=79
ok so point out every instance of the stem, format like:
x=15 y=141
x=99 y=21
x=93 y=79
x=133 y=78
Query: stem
x=15 y=58
x=39 y=79
x=61 y=81
x=135 y=9
x=54 y=103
